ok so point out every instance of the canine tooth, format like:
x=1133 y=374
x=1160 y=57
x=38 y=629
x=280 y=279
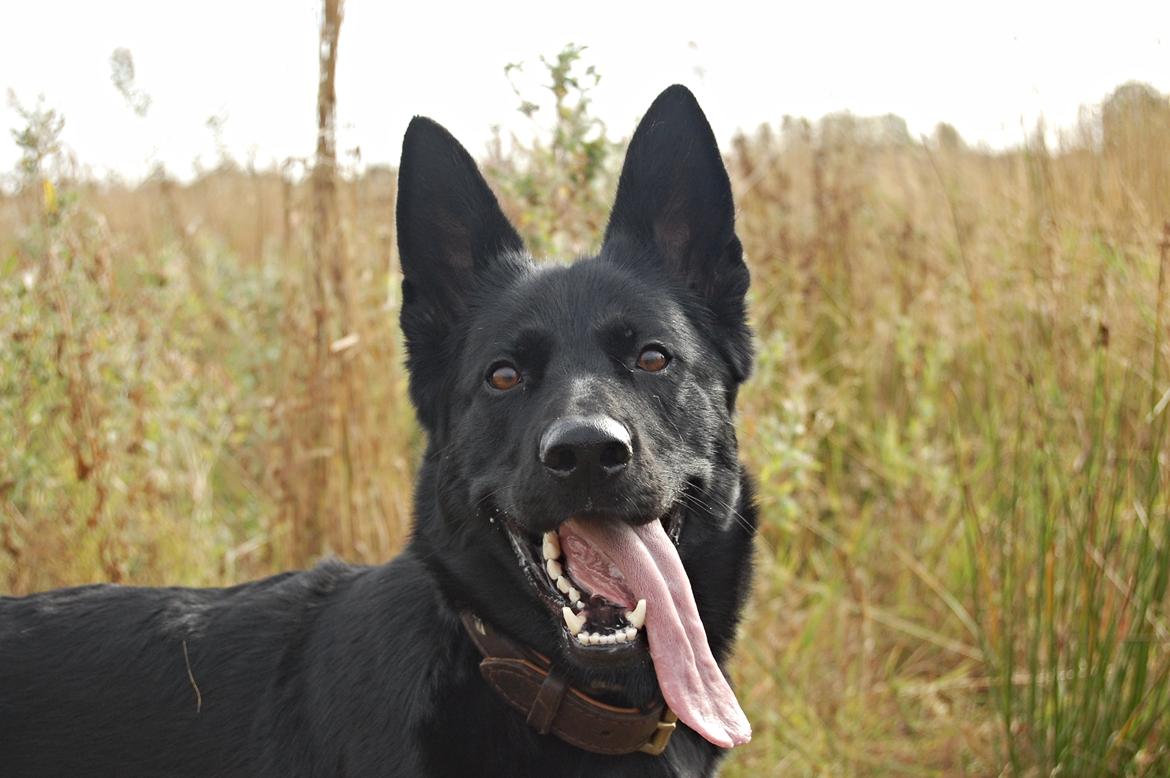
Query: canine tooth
x=551 y=547
x=554 y=569
x=631 y=633
x=572 y=620
x=637 y=617
x=574 y=595
x=583 y=638
x=563 y=585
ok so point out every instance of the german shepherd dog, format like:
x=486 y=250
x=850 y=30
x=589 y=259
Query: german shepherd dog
x=582 y=540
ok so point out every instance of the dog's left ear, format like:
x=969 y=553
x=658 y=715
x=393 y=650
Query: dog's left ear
x=674 y=212
x=451 y=235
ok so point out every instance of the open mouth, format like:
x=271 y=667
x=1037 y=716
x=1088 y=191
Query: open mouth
x=590 y=596
x=617 y=589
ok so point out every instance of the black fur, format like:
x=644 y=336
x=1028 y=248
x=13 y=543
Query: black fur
x=352 y=671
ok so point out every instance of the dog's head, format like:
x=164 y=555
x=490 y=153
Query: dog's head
x=581 y=479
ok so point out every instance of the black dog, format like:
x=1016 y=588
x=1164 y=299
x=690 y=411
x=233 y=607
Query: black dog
x=582 y=542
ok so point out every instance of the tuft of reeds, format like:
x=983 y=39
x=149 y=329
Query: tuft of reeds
x=959 y=425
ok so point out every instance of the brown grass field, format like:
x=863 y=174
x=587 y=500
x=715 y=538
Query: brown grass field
x=958 y=418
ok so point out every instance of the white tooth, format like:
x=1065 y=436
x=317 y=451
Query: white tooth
x=631 y=633
x=572 y=620
x=563 y=585
x=551 y=547
x=574 y=595
x=620 y=636
x=580 y=605
x=609 y=640
x=637 y=617
x=594 y=639
x=583 y=638
x=554 y=568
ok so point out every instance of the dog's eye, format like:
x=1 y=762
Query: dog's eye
x=653 y=359
x=504 y=376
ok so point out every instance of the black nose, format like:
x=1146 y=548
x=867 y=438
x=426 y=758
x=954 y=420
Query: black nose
x=594 y=447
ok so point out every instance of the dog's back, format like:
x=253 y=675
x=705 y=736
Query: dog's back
x=273 y=677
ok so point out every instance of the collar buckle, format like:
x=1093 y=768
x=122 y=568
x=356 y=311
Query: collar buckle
x=661 y=737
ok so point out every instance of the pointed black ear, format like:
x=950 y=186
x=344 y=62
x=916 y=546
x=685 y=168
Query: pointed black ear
x=451 y=233
x=449 y=222
x=674 y=212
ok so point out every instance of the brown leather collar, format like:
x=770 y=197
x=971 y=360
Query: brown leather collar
x=527 y=680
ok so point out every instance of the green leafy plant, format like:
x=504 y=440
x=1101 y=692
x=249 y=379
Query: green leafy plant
x=558 y=186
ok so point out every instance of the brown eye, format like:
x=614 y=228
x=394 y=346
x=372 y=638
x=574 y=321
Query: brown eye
x=504 y=377
x=653 y=359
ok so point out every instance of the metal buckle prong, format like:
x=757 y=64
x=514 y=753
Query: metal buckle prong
x=657 y=742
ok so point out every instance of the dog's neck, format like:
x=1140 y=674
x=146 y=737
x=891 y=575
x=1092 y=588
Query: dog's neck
x=529 y=682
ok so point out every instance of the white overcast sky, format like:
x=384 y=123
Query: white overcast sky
x=990 y=68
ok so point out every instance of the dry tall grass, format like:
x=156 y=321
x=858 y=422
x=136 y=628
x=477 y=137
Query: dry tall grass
x=958 y=419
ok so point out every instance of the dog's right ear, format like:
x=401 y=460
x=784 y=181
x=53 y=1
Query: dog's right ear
x=450 y=231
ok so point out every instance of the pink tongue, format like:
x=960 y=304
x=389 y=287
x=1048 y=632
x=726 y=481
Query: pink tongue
x=643 y=560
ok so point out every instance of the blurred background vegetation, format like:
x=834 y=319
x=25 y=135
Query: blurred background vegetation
x=958 y=419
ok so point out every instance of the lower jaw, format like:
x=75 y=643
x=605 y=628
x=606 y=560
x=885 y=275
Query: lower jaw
x=603 y=618
x=621 y=674
x=620 y=667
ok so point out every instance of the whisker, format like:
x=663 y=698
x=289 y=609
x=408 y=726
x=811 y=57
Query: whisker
x=739 y=518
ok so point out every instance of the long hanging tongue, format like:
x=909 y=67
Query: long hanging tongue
x=643 y=560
